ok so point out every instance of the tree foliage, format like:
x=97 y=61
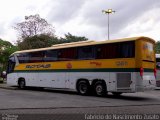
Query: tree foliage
x=6 y=49
x=34 y=25
x=71 y=38
x=37 y=41
x=158 y=47
x=36 y=32
x=41 y=41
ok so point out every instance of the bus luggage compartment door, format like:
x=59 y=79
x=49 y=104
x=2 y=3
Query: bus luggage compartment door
x=123 y=81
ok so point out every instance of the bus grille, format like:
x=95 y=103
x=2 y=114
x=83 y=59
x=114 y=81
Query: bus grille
x=123 y=80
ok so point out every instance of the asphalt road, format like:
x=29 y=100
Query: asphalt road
x=49 y=104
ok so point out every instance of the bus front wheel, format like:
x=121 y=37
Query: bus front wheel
x=21 y=84
x=83 y=87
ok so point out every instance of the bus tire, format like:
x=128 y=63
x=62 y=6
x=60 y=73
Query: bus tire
x=100 y=88
x=83 y=87
x=117 y=93
x=21 y=83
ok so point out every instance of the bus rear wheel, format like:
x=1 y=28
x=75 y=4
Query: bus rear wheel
x=21 y=84
x=83 y=87
x=100 y=88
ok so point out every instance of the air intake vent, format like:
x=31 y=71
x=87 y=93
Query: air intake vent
x=123 y=80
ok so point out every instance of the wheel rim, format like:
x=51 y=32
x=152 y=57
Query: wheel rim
x=83 y=88
x=99 y=89
x=22 y=84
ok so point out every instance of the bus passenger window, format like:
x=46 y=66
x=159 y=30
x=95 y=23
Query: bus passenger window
x=36 y=57
x=67 y=54
x=23 y=57
x=50 y=55
x=116 y=50
x=107 y=51
x=86 y=52
x=127 y=50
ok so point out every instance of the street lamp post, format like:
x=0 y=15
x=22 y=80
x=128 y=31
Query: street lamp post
x=109 y=11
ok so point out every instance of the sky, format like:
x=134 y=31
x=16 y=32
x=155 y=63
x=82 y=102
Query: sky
x=85 y=18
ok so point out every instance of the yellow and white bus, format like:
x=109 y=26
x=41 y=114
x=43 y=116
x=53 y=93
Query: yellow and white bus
x=117 y=66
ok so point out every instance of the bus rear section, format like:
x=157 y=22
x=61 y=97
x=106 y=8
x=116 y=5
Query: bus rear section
x=145 y=62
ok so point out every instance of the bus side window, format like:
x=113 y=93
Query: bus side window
x=87 y=52
x=23 y=57
x=50 y=55
x=106 y=51
x=35 y=57
x=11 y=64
x=116 y=50
x=127 y=49
x=67 y=54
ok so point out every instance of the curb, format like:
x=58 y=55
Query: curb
x=5 y=86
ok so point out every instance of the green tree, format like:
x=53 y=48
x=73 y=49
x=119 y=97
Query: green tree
x=37 y=41
x=36 y=32
x=6 y=49
x=158 y=47
x=41 y=41
x=71 y=38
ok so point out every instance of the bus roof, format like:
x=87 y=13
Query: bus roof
x=84 y=43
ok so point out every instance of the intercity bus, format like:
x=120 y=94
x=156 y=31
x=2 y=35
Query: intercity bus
x=158 y=70
x=117 y=66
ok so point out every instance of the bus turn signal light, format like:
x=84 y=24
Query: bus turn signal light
x=141 y=71
x=155 y=72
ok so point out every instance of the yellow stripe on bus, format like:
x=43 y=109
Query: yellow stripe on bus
x=79 y=64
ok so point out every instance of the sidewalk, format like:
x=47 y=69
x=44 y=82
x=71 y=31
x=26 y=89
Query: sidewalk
x=5 y=86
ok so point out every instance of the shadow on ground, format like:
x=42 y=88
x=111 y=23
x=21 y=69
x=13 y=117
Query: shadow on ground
x=124 y=96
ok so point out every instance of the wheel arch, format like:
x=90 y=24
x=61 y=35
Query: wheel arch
x=81 y=79
x=97 y=80
x=20 y=79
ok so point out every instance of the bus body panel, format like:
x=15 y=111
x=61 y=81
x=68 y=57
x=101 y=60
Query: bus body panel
x=147 y=82
x=136 y=83
x=12 y=79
